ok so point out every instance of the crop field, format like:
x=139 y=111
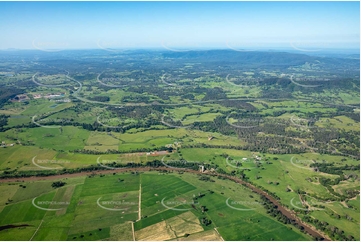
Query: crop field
x=104 y=207
x=39 y=107
x=66 y=138
x=101 y=140
x=284 y=174
x=146 y=145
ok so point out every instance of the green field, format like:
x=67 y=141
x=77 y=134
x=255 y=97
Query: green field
x=102 y=207
x=286 y=123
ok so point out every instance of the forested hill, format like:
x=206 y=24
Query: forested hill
x=257 y=57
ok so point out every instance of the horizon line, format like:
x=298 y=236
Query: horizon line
x=184 y=49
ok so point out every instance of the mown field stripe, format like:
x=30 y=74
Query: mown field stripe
x=36 y=230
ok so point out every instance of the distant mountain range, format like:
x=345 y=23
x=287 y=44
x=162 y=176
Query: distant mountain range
x=263 y=59
x=259 y=57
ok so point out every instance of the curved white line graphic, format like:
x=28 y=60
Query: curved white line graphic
x=113 y=127
x=46 y=209
x=108 y=167
x=240 y=209
x=110 y=209
x=240 y=50
x=43 y=167
x=307 y=168
x=180 y=168
x=38 y=48
x=291 y=202
x=237 y=85
x=299 y=125
x=302 y=85
x=243 y=168
x=169 y=84
x=108 y=85
x=176 y=209
x=108 y=49
x=46 y=85
x=175 y=50
x=162 y=161
x=238 y=126
x=44 y=126
x=172 y=126
x=313 y=208
x=243 y=86
x=173 y=84
x=300 y=49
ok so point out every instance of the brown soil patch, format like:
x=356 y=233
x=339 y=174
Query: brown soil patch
x=288 y=213
x=209 y=235
x=156 y=232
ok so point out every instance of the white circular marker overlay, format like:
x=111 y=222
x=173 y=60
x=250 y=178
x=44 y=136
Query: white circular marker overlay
x=44 y=167
x=108 y=167
x=110 y=209
x=44 y=126
x=173 y=126
x=239 y=126
x=239 y=209
x=171 y=208
x=242 y=168
x=46 y=209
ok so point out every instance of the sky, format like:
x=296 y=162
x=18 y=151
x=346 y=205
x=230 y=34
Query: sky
x=176 y=26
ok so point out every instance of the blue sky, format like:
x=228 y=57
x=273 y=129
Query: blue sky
x=175 y=25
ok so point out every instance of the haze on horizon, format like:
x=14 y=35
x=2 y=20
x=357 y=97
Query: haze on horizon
x=180 y=25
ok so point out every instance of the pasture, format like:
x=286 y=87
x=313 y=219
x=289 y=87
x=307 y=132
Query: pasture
x=104 y=208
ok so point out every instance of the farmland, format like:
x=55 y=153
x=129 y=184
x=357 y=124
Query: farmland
x=82 y=157
x=105 y=206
